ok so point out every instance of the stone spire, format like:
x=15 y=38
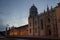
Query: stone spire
x=6 y=28
x=58 y=4
x=6 y=31
x=9 y=28
x=44 y=10
x=51 y=8
x=47 y=8
x=33 y=11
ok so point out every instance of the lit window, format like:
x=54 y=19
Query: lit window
x=11 y=33
x=15 y=33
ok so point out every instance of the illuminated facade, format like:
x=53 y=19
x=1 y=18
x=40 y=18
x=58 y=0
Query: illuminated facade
x=19 y=31
x=14 y=32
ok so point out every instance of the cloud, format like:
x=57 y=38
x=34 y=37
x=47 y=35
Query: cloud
x=2 y=26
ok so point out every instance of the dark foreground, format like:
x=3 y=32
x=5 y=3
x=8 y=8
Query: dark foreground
x=28 y=38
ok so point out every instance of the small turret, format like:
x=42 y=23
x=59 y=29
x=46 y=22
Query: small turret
x=58 y=4
x=6 y=28
x=6 y=31
x=44 y=11
x=33 y=11
x=9 y=28
x=51 y=8
x=47 y=8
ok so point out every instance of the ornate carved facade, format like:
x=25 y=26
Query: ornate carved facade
x=46 y=24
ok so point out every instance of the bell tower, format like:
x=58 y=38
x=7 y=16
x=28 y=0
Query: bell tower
x=33 y=11
x=32 y=21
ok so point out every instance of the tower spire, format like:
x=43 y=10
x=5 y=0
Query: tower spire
x=58 y=4
x=6 y=28
x=51 y=8
x=33 y=4
x=9 y=28
x=47 y=8
x=6 y=31
x=33 y=11
x=44 y=10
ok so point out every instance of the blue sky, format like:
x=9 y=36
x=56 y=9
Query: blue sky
x=16 y=12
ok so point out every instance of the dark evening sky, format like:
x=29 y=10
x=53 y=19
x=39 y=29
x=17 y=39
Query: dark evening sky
x=16 y=12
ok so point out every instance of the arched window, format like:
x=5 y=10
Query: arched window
x=30 y=30
x=49 y=32
x=30 y=24
x=41 y=24
x=49 y=20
